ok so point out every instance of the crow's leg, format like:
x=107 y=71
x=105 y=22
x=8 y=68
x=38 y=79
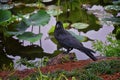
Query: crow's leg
x=69 y=49
x=59 y=47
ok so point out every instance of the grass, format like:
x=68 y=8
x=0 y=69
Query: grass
x=104 y=67
x=109 y=48
x=6 y=67
x=89 y=72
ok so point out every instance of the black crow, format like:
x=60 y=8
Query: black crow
x=66 y=40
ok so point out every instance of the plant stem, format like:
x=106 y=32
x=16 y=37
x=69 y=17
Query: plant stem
x=58 y=4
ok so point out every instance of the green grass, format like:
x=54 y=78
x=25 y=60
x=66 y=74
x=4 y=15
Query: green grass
x=109 y=48
x=89 y=72
x=104 y=67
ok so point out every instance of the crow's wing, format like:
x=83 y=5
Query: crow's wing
x=67 y=40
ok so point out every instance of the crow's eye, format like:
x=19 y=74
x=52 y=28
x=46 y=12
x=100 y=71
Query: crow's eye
x=59 y=25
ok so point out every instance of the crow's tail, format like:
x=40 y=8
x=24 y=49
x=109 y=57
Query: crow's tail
x=88 y=52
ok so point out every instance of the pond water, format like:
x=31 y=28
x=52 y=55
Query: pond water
x=49 y=46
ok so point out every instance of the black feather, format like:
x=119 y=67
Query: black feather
x=69 y=42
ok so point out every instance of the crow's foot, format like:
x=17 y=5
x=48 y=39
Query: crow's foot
x=65 y=52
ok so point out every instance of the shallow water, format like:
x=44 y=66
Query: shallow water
x=49 y=47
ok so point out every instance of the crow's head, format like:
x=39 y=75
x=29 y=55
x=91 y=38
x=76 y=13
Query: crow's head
x=59 y=25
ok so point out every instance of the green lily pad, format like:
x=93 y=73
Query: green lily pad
x=5 y=15
x=112 y=7
x=40 y=18
x=54 y=10
x=65 y=25
x=79 y=37
x=113 y=19
x=29 y=36
x=116 y=2
x=80 y=25
x=17 y=28
x=46 y=0
x=6 y=6
x=24 y=9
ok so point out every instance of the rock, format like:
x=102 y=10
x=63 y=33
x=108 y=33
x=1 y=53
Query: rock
x=62 y=58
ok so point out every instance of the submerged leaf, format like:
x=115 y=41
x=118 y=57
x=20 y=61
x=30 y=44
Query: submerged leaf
x=40 y=18
x=80 y=25
x=29 y=36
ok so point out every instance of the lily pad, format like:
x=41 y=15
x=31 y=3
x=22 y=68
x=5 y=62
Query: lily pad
x=46 y=0
x=65 y=25
x=80 y=25
x=40 y=18
x=54 y=10
x=5 y=15
x=6 y=6
x=113 y=19
x=29 y=36
x=17 y=29
x=79 y=37
x=116 y=2
x=23 y=9
x=112 y=7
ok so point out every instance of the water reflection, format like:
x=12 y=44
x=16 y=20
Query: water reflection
x=47 y=47
x=95 y=35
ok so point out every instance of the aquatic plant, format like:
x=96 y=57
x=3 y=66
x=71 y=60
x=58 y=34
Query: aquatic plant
x=109 y=48
x=114 y=9
x=40 y=18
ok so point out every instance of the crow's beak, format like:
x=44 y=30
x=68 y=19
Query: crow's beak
x=59 y=24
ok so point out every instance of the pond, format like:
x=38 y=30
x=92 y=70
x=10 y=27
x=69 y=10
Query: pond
x=97 y=30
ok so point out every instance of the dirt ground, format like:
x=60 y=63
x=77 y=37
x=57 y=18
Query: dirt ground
x=64 y=66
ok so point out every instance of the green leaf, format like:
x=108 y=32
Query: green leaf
x=54 y=10
x=113 y=19
x=29 y=36
x=18 y=28
x=112 y=7
x=40 y=18
x=5 y=15
x=6 y=6
x=65 y=25
x=116 y=2
x=80 y=25
x=79 y=37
